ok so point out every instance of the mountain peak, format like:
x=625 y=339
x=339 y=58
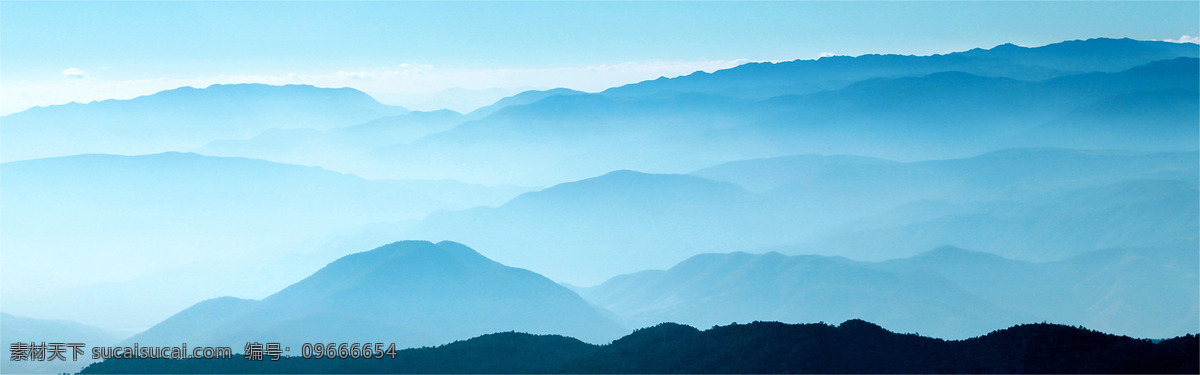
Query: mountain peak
x=523 y=98
x=259 y=91
x=862 y=328
x=625 y=173
x=953 y=254
x=626 y=188
x=612 y=183
x=661 y=332
x=182 y=119
x=407 y=254
x=412 y=292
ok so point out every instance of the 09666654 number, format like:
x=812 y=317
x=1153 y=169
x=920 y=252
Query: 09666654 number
x=345 y=350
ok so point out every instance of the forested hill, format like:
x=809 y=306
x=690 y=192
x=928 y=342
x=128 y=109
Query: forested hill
x=855 y=346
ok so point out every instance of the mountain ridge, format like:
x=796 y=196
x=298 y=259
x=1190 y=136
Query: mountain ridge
x=609 y=220
x=413 y=293
x=181 y=119
x=854 y=346
x=946 y=292
x=942 y=114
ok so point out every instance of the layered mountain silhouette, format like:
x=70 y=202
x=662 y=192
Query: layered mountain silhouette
x=960 y=113
x=894 y=107
x=1145 y=120
x=334 y=148
x=711 y=289
x=527 y=97
x=410 y=293
x=1070 y=171
x=854 y=346
x=890 y=106
x=562 y=138
x=309 y=146
x=1092 y=55
x=1149 y=212
x=1028 y=204
x=947 y=292
x=181 y=119
x=624 y=221
x=20 y=329
x=999 y=174
x=765 y=80
x=95 y=214
x=1118 y=290
x=1032 y=204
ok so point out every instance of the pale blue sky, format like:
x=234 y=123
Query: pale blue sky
x=132 y=48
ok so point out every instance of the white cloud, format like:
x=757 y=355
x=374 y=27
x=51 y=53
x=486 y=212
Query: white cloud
x=1185 y=39
x=826 y=54
x=74 y=73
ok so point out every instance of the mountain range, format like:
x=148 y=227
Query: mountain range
x=112 y=219
x=893 y=107
x=1095 y=93
x=417 y=293
x=411 y=293
x=623 y=221
x=854 y=346
x=330 y=148
x=765 y=80
x=1031 y=204
x=20 y=329
x=1146 y=212
x=1027 y=204
x=1057 y=183
x=946 y=292
x=181 y=119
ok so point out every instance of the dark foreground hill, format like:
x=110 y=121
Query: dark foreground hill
x=855 y=346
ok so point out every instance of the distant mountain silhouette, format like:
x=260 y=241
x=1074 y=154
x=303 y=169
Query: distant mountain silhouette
x=562 y=138
x=523 y=98
x=1148 y=120
x=1149 y=212
x=932 y=115
x=461 y=194
x=334 y=148
x=330 y=148
x=858 y=207
x=1136 y=291
x=623 y=221
x=947 y=292
x=1154 y=109
x=168 y=211
x=411 y=293
x=955 y=113
x=21 y=329
x=765 y=80
x=181 y=119
x=896 y=107
x=854 y=346
x=711 y=289
x=762 y=175
x=1011 y=202
x=1091 y=55
x=403 y=128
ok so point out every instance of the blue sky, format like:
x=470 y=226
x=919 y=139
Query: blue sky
x=56 y=52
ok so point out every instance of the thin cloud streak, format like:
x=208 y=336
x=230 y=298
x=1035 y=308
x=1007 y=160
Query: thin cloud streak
x=74 y=73
x=1185 y=39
